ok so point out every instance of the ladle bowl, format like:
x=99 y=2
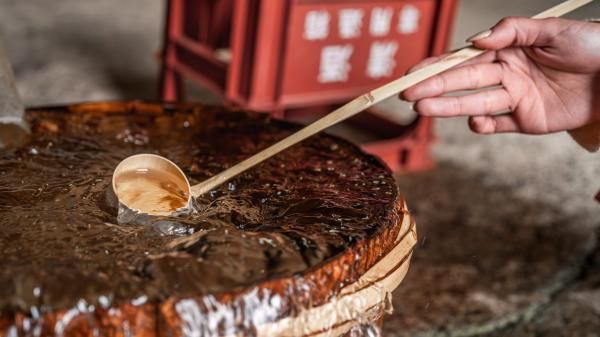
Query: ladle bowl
x=151 y=184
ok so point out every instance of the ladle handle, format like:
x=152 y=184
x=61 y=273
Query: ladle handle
x=364 y=102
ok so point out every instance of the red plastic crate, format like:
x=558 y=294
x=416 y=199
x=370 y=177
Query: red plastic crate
x=278 y=56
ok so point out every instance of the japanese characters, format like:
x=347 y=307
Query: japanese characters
x=348 y=24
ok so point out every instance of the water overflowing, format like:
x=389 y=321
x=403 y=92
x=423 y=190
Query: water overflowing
x=60 y=241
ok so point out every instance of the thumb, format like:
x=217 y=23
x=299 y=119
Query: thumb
x=517 y=32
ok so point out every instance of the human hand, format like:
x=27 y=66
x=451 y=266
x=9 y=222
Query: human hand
x=539 y=76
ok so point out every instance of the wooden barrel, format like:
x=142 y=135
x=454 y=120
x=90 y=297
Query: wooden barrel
x=323 y=221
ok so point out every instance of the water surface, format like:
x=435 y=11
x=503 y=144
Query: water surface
x=60 y=241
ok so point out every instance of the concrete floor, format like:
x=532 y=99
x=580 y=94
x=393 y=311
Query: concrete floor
x=508 y=223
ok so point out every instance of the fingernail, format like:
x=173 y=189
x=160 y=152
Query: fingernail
x=480 y=35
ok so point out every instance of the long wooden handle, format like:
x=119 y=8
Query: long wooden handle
x=364 y=102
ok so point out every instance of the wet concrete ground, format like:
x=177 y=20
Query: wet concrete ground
x=507 y=224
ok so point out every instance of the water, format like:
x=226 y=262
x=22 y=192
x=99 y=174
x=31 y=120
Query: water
x=60 y=241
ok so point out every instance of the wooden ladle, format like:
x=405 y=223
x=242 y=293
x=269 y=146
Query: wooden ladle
x=154 y=185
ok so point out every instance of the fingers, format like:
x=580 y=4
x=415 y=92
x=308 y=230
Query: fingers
x=494 y=124
x=462 y=78
x=425 y=63
x=481 y=103
x=518 y=32
x=483 y=58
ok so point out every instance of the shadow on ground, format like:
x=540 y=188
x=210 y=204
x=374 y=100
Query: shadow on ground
x=486 y=259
